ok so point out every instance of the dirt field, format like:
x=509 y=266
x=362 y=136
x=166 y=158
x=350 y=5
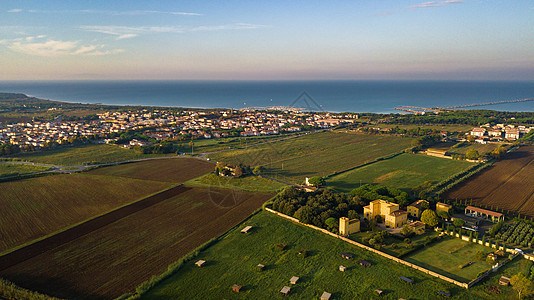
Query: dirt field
x=35 y=207
x=175 y=170
x=508 y=185
x=118 y=257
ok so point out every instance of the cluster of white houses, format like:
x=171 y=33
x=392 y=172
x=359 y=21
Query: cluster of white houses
x=169 y=124
x=486 y=133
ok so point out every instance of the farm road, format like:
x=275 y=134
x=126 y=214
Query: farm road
x=53 y=241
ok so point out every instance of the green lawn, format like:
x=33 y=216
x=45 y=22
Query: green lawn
x=318 y=154
x=400 y=247
x=249 y=183
x=83 y=154
x=233 y=260
x=446 y=256
x=7 y=169
x=403 y=171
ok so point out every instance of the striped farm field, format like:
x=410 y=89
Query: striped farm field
x=174 y=170
x=507 y=185
x=83 y=155
x=35 y=207
x=317 y=154
x=116 y=258
x=7 y=169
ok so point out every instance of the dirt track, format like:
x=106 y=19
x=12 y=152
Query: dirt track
x=32 y=250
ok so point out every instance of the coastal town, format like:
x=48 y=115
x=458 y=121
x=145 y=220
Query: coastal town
x=167 y=125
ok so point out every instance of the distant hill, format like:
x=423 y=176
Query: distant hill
x=12 y=96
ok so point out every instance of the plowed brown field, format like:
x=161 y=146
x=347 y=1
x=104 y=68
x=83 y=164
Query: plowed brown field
x=167 y=170
x=508 y=185
x=116 y=258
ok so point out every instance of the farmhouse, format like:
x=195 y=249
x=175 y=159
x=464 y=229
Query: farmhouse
x=443 y=207
x=484 y=213
x=415 y=209
x=417 y=227
x=200 y=263
x=512 y=134
x=294 y=280
x=347 y=226
x=325 y=296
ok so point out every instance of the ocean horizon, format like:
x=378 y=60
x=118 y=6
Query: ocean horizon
x=373 y=96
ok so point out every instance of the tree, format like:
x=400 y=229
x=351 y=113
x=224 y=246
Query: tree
x=304 y=214
x=470 y=138
x=331 y=223
x=472 y=154
x=316 y=181
x=425 y=205
x=458 y=222
x=443 y=214
x=238 y=172
x=522 y=285
x=429 y=217
x=258 y=170
x=406 y=230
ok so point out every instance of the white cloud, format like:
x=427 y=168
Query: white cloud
x=123 y=32
x=126 y=36
x=14 y=10
x=430 y=4
x=110 y=12
x=51 y=48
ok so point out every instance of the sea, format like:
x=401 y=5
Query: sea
x=331 y=96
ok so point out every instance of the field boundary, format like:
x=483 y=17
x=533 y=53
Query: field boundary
x=385 y=255
x=389 y=156
x=55 y=240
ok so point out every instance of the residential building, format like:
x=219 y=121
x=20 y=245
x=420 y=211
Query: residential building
x=397 y=219
x=417 y=227
x=415 y=209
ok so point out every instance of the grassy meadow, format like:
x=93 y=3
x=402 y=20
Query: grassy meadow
x=404 y=171
x=249 y=183
x=233 y=260
x=445 y=257
x=83 y=154
x=316 y=154
x=7 y=169
x=35 y=207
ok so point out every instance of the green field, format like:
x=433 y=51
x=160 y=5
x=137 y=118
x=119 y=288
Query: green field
x=404 y=171
x=249 y=183
x=234 y=258
x=7 y=169
x=316 y=154
x=210 y=145
x=35 y=207
x=83 y=154
x=476 y=146
x=446 y=256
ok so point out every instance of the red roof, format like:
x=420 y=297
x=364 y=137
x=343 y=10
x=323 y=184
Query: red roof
x=398 y=213
x=484 y=211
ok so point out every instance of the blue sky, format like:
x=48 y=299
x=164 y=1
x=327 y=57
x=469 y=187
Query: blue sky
x=442 y=39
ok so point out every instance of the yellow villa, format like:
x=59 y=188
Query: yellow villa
x=415 y=209
x=347 y=226
x=390 y=212
x=417 y=227
x=443 y=207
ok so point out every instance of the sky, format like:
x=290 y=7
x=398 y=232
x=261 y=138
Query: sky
x=267 y=40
